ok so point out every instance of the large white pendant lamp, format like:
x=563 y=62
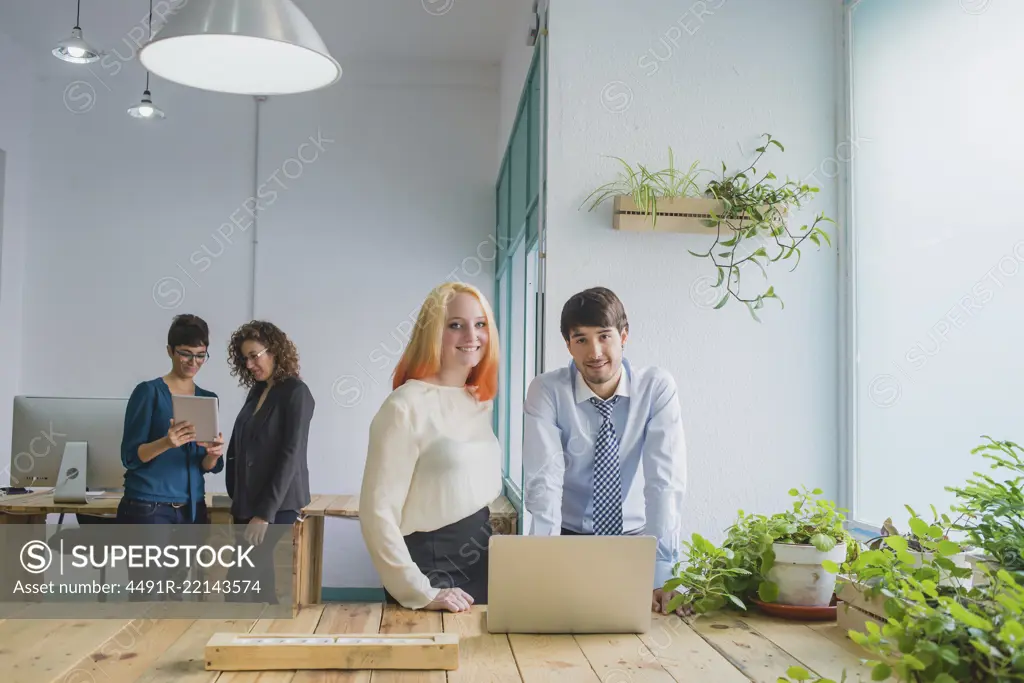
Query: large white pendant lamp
x=243 y=47
x=74 y=49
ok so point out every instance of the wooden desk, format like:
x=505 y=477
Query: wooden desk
x=33 y=508
x=728 y=648
x=503 y=515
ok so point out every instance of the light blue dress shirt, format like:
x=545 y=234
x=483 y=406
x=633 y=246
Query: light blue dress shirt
x=560 y=429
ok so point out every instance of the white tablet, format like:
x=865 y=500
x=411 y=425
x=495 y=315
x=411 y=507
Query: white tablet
x=201 y=411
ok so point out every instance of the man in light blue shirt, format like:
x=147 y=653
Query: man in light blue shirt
x=603 y=445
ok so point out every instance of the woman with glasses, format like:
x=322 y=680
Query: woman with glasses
x=267 y=475
x=164 y=464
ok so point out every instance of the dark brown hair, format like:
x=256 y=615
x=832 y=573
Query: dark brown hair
x=594 y=307
x=286 y=355
x=188 y=330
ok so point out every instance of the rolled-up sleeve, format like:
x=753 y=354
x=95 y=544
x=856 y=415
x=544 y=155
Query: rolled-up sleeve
x=664 y=466
x=543 y=462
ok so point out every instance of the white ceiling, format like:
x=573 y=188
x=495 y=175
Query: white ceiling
x=387 y=30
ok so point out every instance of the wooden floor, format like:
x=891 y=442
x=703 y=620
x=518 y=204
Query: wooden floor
x=728 y=648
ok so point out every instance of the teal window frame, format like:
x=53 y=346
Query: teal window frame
x=519 y=223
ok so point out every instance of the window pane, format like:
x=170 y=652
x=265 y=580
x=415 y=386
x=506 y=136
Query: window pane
x=502 y=227
x=530 y=361
x=938 y=292
x=517 y=177
x=517 y=365
x=533 y=107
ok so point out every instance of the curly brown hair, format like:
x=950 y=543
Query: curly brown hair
x=286 y=355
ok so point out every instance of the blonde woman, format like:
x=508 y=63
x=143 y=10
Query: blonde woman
x=433 y=463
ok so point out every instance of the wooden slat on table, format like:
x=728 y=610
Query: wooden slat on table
x=318 y=503
x=622 y=658
x=355 y=618
x=757 y=657
x=397 y=619
x=483 y=656
x=306 y=622
x=127 y=655
x=554 y=658
x=817 y=653
x=32 y=650
x=685 y=655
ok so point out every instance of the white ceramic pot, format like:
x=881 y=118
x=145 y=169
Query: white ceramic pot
x=800 y=576
x=945 y=578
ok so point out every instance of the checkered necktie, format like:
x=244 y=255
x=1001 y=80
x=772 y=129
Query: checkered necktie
x=607 y=483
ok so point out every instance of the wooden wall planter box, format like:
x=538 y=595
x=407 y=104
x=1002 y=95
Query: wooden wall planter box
x=679 y=214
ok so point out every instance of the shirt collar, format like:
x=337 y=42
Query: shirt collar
x=585 y=393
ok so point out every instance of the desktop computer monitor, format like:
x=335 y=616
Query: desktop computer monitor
x=72 y=444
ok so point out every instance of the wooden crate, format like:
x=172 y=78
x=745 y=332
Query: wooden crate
x=678 y=214
x=291 y=651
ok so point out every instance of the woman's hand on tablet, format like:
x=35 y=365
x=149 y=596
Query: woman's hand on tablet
x=214 y=448
x=180 y=433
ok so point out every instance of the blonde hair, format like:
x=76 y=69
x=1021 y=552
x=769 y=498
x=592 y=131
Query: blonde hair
x=422 y=356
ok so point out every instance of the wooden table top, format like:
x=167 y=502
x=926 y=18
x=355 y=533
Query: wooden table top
x=41 y=502
x=725 y=648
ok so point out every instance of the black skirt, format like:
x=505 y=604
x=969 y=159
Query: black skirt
x=454 y=556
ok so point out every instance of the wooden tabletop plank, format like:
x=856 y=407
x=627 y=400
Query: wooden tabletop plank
x=816 y=652
x=760 y=660
x=129 y=654
x=318 y=503
x=685 y=655
x=622 y=658
x=483 y=656
x=345 y=618
x=45 y=649
x=554 y=658
x=397 y=619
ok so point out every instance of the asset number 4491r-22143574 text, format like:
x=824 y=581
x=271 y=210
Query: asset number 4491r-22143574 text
x=193 y=587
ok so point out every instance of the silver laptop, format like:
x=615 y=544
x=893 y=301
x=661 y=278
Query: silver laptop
x=570 y=584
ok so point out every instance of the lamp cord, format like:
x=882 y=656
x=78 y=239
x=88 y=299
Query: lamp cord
x=78 y=15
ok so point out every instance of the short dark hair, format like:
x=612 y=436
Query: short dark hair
x=188 y=330
x=594 y=307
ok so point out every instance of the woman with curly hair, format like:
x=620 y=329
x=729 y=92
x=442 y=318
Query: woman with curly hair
x=266 y=471
x=434 y=464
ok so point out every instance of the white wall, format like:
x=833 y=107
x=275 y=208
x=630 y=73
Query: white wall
x=515 y=64
x=15 y=140
x=708 y=78
x=395 y=199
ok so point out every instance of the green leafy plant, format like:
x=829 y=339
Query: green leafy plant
x=753 y=209
x=711 y=577
x=646 y=186
x=993 y=511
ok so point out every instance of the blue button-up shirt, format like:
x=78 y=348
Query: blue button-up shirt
x=559 y=432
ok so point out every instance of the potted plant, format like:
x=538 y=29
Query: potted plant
x=744 y=213
x=993 y=511
x=928 y=545
x=783 y=558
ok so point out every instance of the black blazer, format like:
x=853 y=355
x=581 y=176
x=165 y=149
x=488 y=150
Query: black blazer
x=265 y=468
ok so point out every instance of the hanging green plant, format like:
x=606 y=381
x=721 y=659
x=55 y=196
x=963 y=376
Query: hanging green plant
x=746 y=214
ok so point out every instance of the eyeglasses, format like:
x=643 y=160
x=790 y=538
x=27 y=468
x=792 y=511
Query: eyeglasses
x=197 y=357
x=253 y=356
